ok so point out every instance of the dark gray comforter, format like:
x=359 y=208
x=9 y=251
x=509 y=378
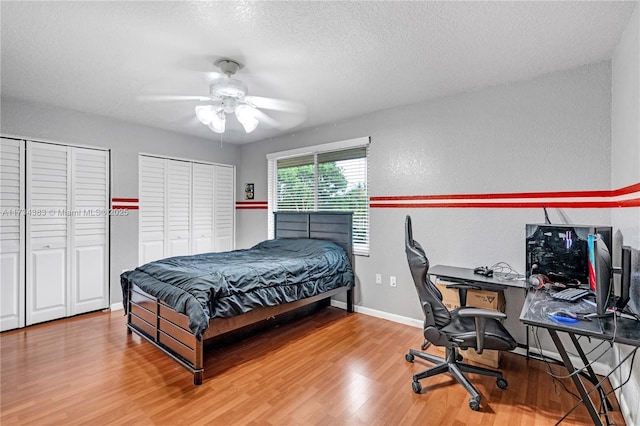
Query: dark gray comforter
x=222 y=285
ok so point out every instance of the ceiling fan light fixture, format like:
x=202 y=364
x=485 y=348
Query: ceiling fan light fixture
x=217 y=123
x=205 y=114
x=246 y=115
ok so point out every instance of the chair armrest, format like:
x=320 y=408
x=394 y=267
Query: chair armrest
x=479 y=312
x=480 y=316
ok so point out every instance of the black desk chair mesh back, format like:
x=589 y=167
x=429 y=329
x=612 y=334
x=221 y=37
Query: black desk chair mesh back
x=462 y=328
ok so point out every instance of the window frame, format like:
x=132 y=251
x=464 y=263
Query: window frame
x=272 y=175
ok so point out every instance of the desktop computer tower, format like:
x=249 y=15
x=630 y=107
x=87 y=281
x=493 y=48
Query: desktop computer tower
x=561 y=251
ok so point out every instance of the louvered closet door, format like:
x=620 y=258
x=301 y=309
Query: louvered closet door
x=90 y=225
x=47 y=232
x=224 y=219
x=178 y=208
x=202 y=202
x=12 y=222
x=152 y=194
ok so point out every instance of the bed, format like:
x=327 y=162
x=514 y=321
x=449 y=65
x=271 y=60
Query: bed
x=180 y=303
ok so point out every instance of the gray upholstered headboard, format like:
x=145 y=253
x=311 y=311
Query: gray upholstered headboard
x=332 y=226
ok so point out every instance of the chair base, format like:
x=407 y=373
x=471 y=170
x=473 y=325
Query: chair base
x=450 y=364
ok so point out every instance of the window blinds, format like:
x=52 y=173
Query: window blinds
x=334 y=180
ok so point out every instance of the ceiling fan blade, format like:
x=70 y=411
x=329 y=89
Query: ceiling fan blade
x=276 y=104
x=174 y=98
x=266 y=119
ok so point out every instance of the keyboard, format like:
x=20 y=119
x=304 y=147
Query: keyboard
x=570 y=294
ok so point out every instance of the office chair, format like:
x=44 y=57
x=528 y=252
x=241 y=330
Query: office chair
x=458 y=329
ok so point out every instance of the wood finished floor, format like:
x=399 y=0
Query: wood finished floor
x=329 y=369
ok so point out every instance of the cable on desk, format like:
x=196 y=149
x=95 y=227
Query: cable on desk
x=508 y=273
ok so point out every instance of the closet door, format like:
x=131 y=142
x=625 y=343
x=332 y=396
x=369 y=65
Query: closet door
x=202 y=212
x=152 y=195
x=47 y=227
x=90 y=225
x=224 y=214
x=12 y=221
x=178 y=208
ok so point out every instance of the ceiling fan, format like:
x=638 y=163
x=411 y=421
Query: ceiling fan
x=228 y=95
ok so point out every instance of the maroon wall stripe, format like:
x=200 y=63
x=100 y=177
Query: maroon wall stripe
x=558 y=194
x=252 y=205
x=129 y=203
x=600 y=199
x=552 y=199
x=526 y=205
x=117 y=207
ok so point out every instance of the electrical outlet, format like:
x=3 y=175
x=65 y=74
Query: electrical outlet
x=378 y=279
x=392 y=281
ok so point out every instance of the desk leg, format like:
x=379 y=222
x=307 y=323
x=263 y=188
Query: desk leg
x=591 y=375
x=576 y=378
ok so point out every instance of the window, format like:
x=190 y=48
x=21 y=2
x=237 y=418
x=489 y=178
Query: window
x=330 y=177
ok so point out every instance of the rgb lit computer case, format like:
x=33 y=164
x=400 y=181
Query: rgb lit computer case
x=561 y=252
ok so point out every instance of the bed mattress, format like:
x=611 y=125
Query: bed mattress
x=223 y=285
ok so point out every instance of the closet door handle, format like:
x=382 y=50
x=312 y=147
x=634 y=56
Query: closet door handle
x=47 y=246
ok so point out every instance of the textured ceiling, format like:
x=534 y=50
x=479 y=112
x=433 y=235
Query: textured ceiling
x=338 y=59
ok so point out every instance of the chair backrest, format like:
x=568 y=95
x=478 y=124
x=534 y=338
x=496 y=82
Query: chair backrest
x=436 y=313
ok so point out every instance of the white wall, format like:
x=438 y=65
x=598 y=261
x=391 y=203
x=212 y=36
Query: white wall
x=625 y=170
x=547 y=134
x=125 y=140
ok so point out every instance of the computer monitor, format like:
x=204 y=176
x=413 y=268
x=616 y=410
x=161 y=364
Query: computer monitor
x=631 y=275
x=600 y=272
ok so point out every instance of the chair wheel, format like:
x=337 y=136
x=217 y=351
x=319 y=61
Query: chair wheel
x=474 y=404
x=502 y=384
x=459 y=357
x=408 y=357
x=417 y=387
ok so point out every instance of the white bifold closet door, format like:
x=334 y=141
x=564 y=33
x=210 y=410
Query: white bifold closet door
x=224 y=216
x=178 y=207
x=185 y=208
x=165 y=208
x=153 y=195
x=66 y=231
x=203 y=197
x=12 y=222
x=89 y=230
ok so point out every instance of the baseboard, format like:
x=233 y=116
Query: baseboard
x=380 y=314
x=116 y=306
x=600 y=368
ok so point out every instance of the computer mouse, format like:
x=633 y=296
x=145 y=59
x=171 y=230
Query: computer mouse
x=564 y=315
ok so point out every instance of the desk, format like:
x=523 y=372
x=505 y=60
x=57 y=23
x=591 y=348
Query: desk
x=464 y=279
x=535 y=312
x=467 y=276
